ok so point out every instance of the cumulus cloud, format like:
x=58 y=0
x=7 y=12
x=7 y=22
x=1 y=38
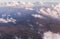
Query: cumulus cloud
x=11 y=20
x=2 y=20
x=52 y=11
x=51 y=35
x=37 y=16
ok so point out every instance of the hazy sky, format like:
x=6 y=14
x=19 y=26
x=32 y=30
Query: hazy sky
x=31 y=0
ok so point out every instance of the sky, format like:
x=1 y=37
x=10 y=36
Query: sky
x=31 y=0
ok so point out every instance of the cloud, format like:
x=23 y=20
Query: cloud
x=2 y=20
x=37 y=16
x=52 y=11
x=51 y=35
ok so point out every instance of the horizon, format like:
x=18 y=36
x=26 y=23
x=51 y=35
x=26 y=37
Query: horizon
x=31 y=0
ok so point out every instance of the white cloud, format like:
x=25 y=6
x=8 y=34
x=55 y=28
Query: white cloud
x=2 y=20
x=11 y=20
x=51 y=35
x=38 y=16
x=52 y=11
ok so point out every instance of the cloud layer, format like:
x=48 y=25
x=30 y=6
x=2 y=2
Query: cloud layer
x=49 y=9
